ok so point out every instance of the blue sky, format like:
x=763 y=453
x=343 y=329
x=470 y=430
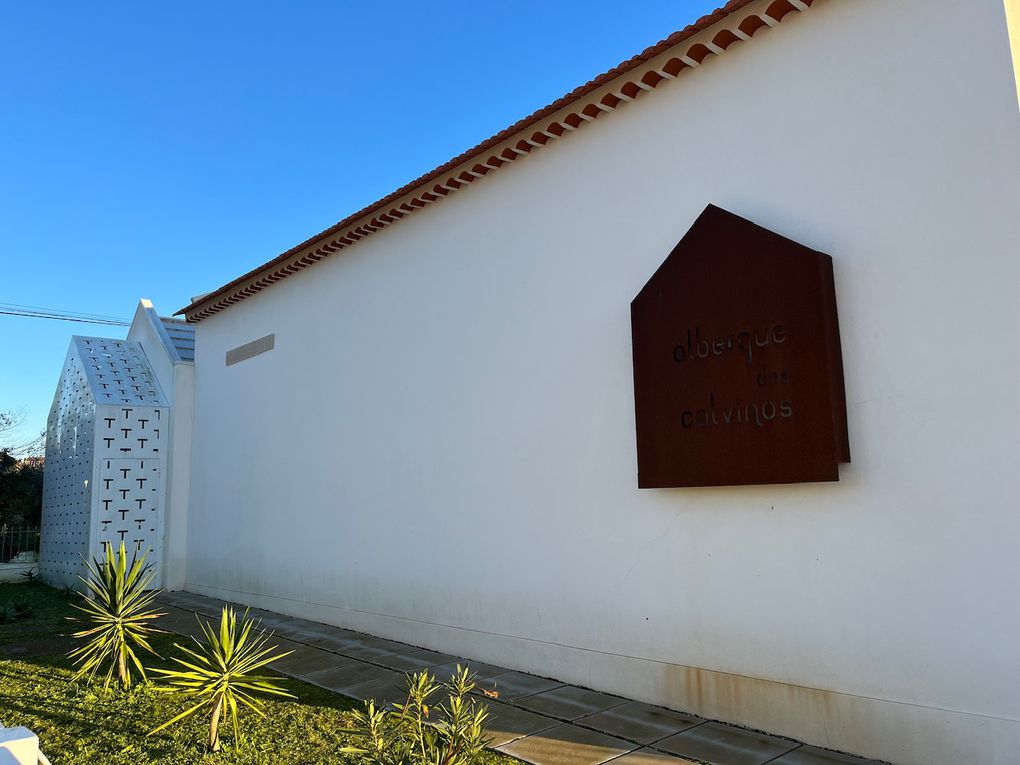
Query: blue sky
x=160 y=150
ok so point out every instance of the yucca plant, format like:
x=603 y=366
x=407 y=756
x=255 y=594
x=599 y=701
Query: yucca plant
x=117 y=609
x=425 y=729
x=221 y=672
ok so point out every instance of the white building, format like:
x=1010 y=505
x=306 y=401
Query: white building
x=420 y=422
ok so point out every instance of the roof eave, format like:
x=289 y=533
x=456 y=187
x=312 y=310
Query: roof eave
x=707 y=38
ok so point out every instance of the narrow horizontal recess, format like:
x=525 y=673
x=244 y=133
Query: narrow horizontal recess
x=254 y=348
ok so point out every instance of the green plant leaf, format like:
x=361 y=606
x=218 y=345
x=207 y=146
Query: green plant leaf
x=116 y=603
x=221 y=670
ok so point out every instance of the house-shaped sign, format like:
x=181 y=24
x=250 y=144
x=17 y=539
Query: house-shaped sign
x=738 y=373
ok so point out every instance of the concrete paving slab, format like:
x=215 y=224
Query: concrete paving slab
x=177 y=624
x=342 y=678
x=567 y=745
x=169 y=610
x=415 y=661
x=376 y=648
x=639 y=722
x=185 y=627
x=185 y=632
x=341 y=664
x=293 y=631
x=480 y=670
x=328 y=642
x=514 y=685
x=268 y=620
x=176 y=617
x=649 y=756
x=173 y=598
x=568 y=702
x=384 y=691
x=211 y=608
x=810 y=755
x=343 y=632
x=300 y=629
x=303 y=659
x=721 y=744
x=507 y=723
x=335 y=639
x=289 y=645
x=197 y=603
x=364 y=653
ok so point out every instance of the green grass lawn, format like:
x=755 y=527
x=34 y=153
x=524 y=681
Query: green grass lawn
x=85 y=725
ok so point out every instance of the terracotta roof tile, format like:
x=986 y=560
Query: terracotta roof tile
x=231 y=292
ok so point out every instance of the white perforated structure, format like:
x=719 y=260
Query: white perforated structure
x=105 y=459
x=67 y=498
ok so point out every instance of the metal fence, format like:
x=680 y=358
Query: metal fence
x=19 y=545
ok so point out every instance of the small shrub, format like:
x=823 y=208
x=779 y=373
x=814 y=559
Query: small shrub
x=117 y=610
x=220 y=672
x=8 y=613
x=30 y=576
x=24 y=608
x=425 y=730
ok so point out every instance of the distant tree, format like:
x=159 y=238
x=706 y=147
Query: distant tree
x=10 y=420
x=21 y=475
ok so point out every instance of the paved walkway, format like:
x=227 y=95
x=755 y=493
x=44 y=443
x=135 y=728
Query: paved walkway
x=541 y=721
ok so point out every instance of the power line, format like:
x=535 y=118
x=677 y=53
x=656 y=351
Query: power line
x=60 y=317
x=31 y=312
x=76 y=314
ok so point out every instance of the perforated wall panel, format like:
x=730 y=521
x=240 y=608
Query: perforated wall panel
x=105 y=459
x=131 y=452
x=67 y=493
x=118 y=372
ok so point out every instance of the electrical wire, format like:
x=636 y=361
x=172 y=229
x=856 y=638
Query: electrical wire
x=9 y=306
x=56 y=314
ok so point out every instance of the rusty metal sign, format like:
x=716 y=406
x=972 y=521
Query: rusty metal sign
x=738 y=373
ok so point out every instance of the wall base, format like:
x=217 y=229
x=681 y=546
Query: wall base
x=895 y=731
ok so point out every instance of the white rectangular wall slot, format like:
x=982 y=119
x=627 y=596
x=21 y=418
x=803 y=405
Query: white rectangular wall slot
x=254 y=348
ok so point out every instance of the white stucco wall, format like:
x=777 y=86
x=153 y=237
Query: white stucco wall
x=145 y=330
x=178 y=491
x=440 y=448
x=177 y=380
